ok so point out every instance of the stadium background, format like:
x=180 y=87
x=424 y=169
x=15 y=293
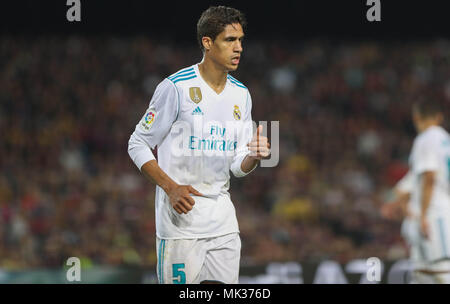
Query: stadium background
x=340 y=86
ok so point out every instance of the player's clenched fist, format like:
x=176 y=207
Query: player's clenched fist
x=259 y=146
x=181 y=199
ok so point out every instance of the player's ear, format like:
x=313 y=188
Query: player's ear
x=440 y=118
x=207 y=43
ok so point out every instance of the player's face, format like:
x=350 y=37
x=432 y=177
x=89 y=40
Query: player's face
x=227 y=47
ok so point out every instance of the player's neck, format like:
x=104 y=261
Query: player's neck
x=428 y=124
x=213 y=75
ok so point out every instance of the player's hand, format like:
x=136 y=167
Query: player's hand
x=424 y=227
x=259 y=146
x=393 y=210
x=388 y=211
x=180 y=198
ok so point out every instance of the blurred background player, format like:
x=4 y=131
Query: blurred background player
x=198 y=236
x=422 y=198
x=430 y=194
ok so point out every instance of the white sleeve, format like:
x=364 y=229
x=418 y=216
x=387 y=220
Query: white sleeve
x=427 y=156
x=244 y=137
x=155 y=124
x=406 y=184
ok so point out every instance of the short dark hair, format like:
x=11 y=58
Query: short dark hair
x=427 y=107
x=214 y=20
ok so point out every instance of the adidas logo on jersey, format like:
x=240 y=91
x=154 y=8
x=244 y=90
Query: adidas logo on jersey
x=197 y=111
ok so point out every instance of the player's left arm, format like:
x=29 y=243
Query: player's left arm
x=259 y=148
x=428 y=179
x=251 y=148
x=397 y=209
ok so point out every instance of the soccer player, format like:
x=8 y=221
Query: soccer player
x=200 y=120
x=430 y=195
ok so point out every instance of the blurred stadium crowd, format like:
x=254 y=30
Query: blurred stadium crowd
x=69 y=105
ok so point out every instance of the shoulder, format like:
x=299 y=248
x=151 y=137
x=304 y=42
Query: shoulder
x=430 y=139
x=239 y=90
x=439 y=137
x=165 y=89
x=182 y=76
x=432 y=135
x=236 y=83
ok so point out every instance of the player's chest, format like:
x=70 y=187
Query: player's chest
x=198 y=105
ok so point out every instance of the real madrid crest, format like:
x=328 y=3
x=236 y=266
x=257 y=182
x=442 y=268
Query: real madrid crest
x=237 y=113
x=195 y=94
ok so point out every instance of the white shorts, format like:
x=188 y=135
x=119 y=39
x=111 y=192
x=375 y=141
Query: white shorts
x=434 y=273
x=191 y=261
x=426 y=252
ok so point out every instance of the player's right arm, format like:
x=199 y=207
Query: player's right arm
x=149 y=133
x=179 y=195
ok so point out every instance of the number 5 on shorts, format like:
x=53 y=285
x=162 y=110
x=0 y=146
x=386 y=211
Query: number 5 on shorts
x=179 y=277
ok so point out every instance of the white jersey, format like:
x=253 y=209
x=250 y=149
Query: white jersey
x=201 y=136
x=431 y=152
